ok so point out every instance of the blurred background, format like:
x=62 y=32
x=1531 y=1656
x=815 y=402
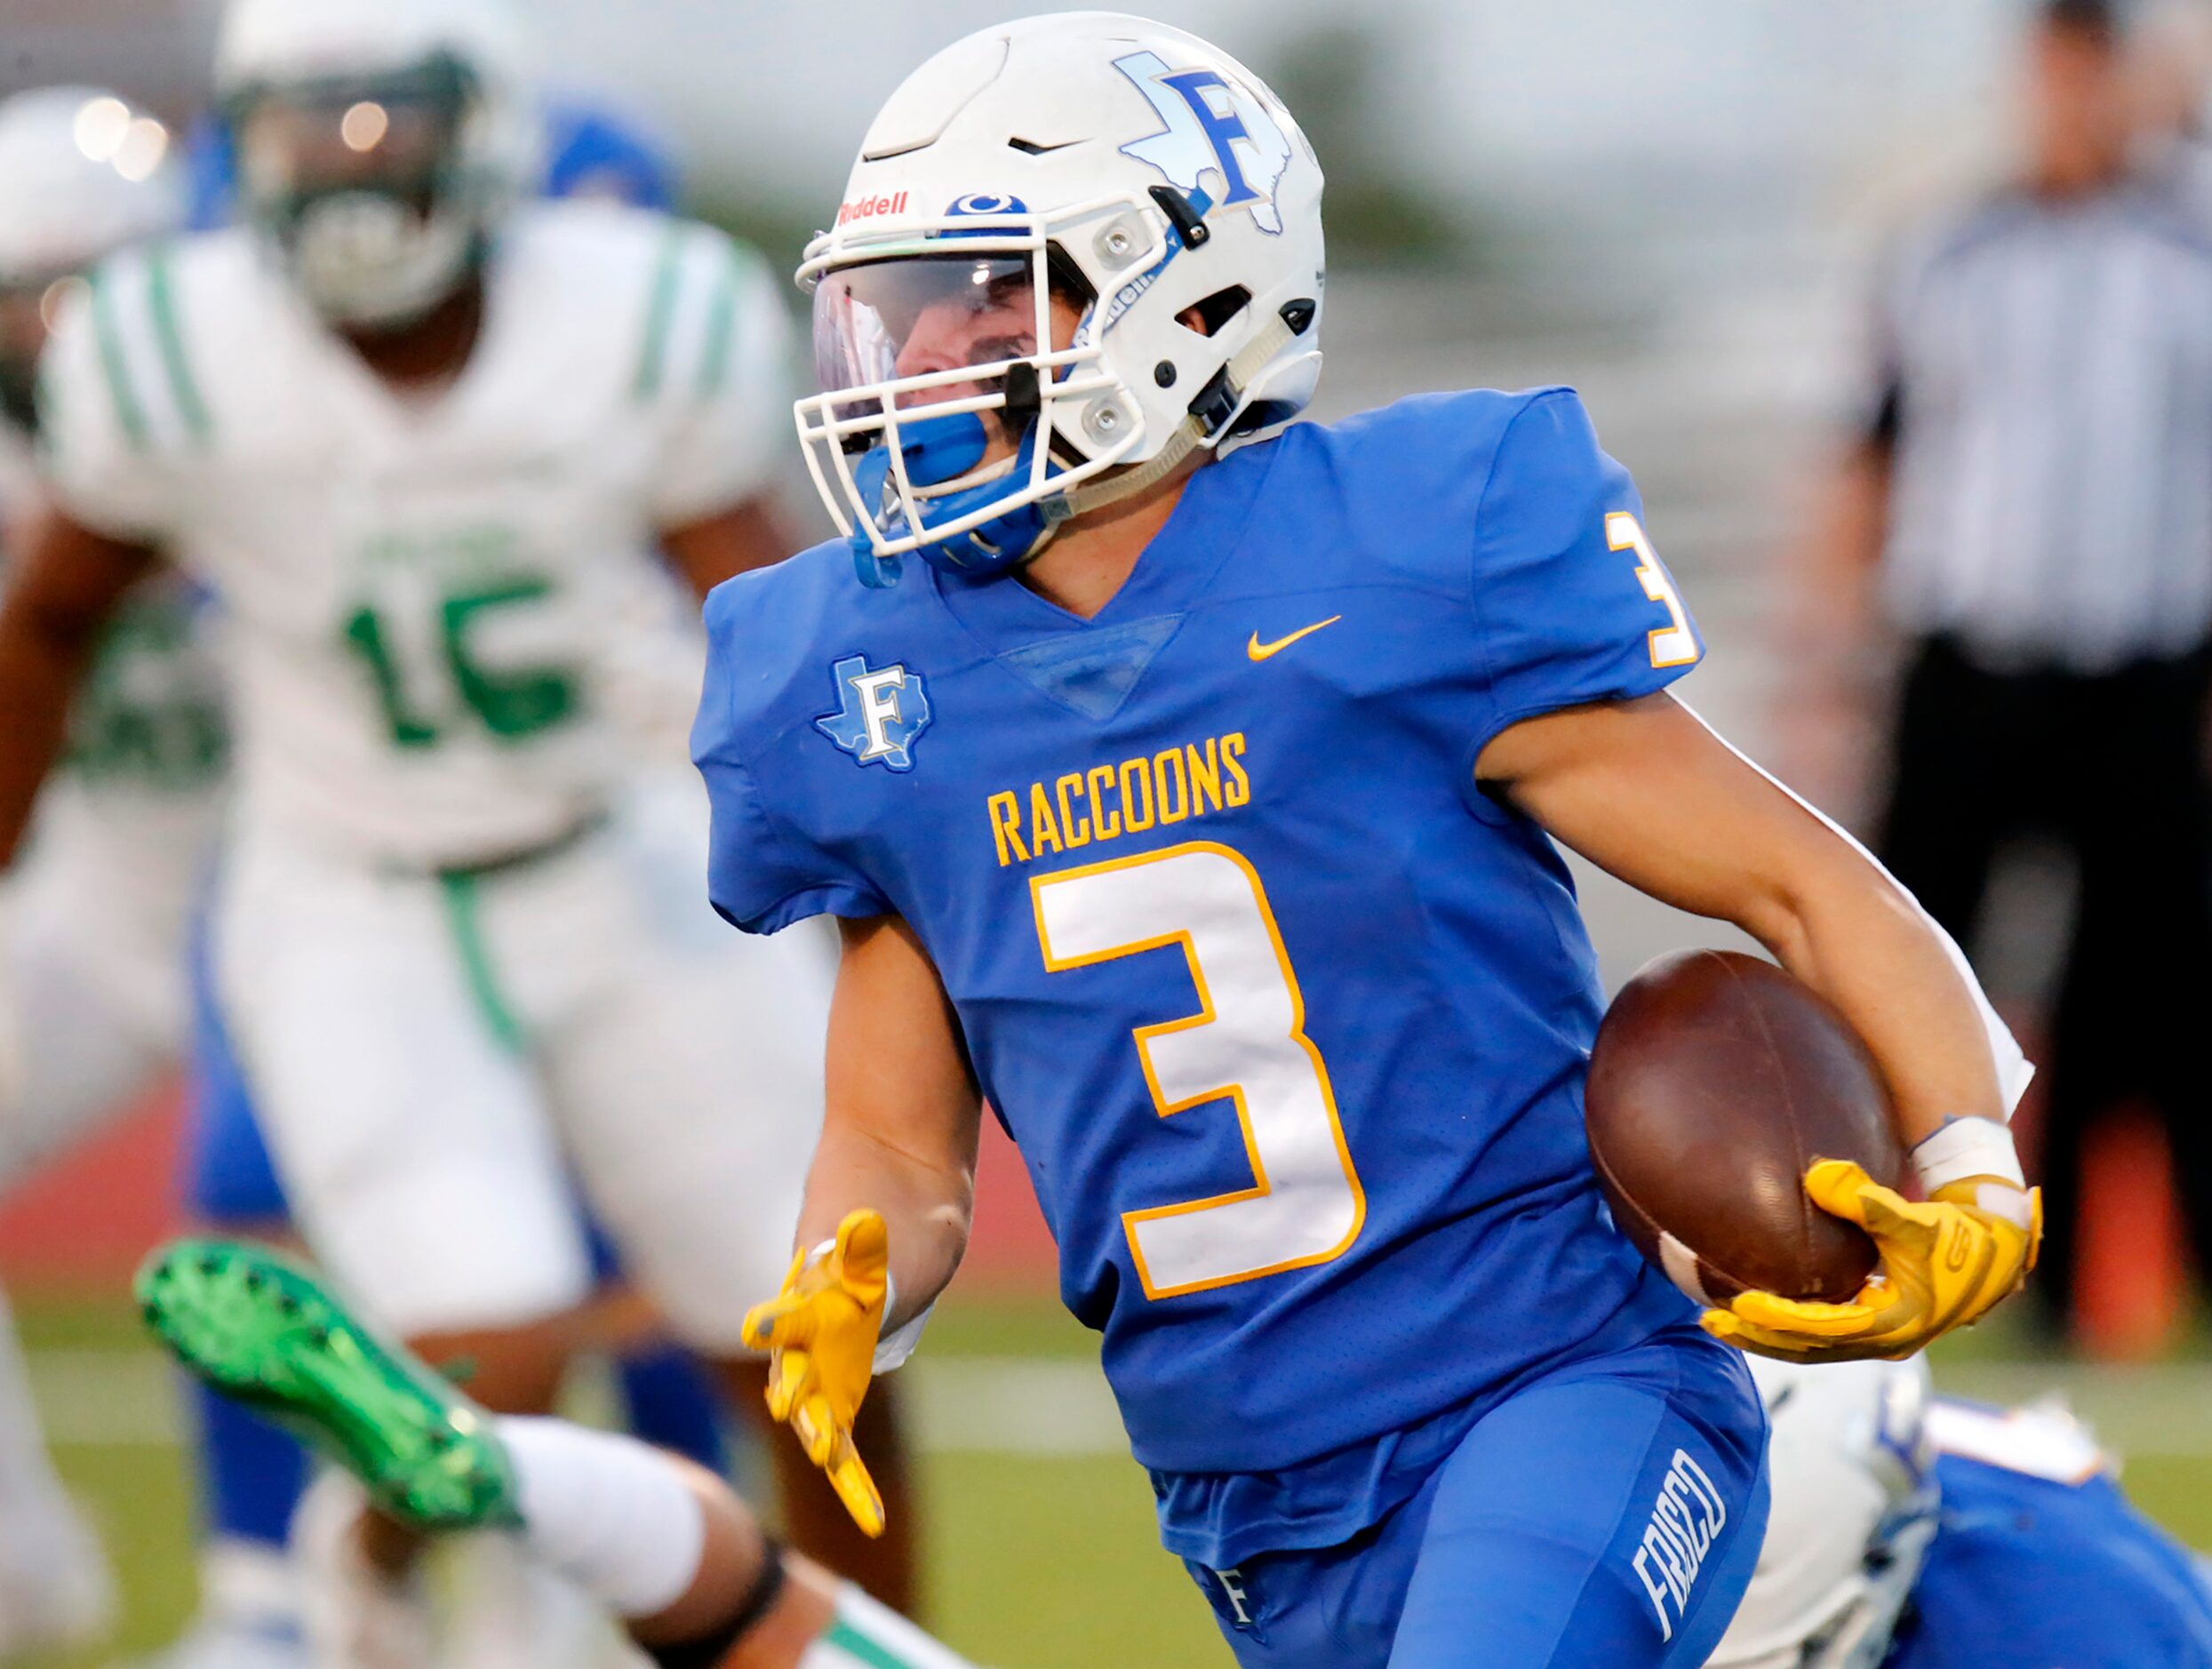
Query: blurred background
x=1681 y=211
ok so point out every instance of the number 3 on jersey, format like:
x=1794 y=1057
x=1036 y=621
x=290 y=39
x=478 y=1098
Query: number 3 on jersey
x=1247 y=1044
x=1674 y=644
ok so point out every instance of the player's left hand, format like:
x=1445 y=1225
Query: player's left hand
x=820 y=1333
x=1944 y=1264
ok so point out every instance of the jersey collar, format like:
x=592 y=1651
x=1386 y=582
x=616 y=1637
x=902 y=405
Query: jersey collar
x=1208 y=524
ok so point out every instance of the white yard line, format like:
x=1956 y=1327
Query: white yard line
x=1013 y=1405
x=1042 y=1406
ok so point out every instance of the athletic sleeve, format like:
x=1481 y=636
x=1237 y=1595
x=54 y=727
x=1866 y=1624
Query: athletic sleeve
x=111 y=420
x=722 y=376
x=1571 y=603
x=764 y=871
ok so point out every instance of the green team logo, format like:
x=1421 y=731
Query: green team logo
x=428 y=609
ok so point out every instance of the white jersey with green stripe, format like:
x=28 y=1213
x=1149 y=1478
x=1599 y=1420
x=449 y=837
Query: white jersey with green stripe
x=429 y=600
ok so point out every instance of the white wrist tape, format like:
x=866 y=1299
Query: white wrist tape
x=1967 y=1147
x=893 y=1348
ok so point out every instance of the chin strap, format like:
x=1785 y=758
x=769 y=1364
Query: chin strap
x=1188 y=435
x=1037 y=522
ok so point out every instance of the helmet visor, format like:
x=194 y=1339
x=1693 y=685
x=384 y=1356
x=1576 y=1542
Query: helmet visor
x=928 y=317
x=987 y=336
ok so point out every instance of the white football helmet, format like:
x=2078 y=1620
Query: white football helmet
x=380 y=143
x=82 y=173
x=1855 y=1507
x=1074 y=249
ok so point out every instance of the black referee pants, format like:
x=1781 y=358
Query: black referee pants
x=2113 y=768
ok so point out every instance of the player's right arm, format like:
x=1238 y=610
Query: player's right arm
x=885 y=1217
x=61 y=594
x=903 y=1115
x=888 y=1203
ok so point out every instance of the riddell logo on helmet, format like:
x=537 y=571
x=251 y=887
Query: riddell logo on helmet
x=869 y=208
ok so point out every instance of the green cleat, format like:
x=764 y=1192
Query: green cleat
x=262 y=1330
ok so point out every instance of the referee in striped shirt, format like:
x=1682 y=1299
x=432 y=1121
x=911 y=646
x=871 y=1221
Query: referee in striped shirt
x=2038 y=463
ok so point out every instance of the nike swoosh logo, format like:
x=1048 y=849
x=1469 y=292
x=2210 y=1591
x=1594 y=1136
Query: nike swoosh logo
x=1259 y=650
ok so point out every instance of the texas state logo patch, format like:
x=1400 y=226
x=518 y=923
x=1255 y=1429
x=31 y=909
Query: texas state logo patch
x=881 y=710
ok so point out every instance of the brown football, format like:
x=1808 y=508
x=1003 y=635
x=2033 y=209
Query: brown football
x=1716 y=1081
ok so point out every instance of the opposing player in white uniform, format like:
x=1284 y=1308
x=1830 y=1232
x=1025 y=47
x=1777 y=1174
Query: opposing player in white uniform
x=93 y=922
x=91 y=998
x=416 y=434
x=665 y=1547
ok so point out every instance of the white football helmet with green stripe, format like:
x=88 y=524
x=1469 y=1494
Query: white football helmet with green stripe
x=82 y=173
x=380 y=143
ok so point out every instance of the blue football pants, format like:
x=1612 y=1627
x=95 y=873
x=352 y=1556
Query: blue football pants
x=1607 y=1516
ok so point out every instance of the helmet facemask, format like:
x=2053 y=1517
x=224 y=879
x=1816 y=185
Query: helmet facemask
x=966 y=391
x=363 y=182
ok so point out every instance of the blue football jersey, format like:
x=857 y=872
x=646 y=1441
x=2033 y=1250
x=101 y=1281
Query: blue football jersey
x=2046 y=1571
x=1288 y=1018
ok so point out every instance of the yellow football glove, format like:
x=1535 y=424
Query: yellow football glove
x=1944 y=1265
x=819 y=1333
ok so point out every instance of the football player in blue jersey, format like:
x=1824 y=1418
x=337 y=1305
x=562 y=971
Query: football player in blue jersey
x=1185 y=778
x=1914 y=1534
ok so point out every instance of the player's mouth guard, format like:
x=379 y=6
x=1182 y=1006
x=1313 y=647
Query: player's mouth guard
x=945 y=450
x=946 y=453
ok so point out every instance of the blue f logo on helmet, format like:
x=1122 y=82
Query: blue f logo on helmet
x=1208 y=117
x=1125 y=275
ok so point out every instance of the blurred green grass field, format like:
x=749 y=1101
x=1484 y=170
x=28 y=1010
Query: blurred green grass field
x=1040 y=1542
